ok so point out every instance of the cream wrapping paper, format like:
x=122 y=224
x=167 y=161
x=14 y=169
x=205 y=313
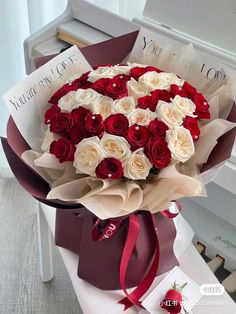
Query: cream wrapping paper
x=109 y=198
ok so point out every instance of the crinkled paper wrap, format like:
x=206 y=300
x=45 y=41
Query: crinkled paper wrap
x=109 y=198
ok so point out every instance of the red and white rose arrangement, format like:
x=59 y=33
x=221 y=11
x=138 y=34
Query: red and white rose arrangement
x=124 y=121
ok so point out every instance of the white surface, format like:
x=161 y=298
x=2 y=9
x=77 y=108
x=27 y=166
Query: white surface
x=96 y=301
x=212 y=21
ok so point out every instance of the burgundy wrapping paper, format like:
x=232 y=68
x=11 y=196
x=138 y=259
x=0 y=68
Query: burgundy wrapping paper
x=99 y=261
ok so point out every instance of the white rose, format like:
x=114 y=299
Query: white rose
x=141 y=116
x=180 y=143
x=122 y=69
x=171 y=78
x=67 y=102
x=167 y=113
x=115 y=146
x=88 y=155
x=137 y=166
x=48 y=139
x=101 y=72
x=152 y=80
x=136 y=89
x=124 y=105
x=103 y=106
x=184 y=105
x=134 y=65
x=73 y=78
x=86 y=97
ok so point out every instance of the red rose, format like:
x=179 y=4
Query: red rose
x=79 y=131
x=63 y=149
x=116 y=124
x=79 y=114
x=172 y=302
x=121 y=78
x=51 y=113
x=136 y=72
x=160 y=94
x=192 y=125
x=62 y=92
x=101 y=85
x=157 y=152
x=177 y=90
x=116 y=89
x=109 y=168
x=94 y=124
x=190 y=90
x=137 y=136
x=82 y=82
x=202 y=106
x=147 y=102
x=61 y=123
x=150 y=68
x=158 y=128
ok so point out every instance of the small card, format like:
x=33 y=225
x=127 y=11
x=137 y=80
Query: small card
x=191 y=293
x=29 y=99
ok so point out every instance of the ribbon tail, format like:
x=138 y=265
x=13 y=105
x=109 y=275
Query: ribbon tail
x=133 y=298
x=126 y=302
x=132 y=236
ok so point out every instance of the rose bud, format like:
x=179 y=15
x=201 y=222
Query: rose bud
x=158 y=128
x=157 y=152
x=137 y=136
x=109 y=168
x=116 y=124
x=63 y=149
x=172 y=302
x=192 y=125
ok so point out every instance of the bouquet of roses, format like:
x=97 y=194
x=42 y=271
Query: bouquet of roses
x=120 y=139
x=124 y=122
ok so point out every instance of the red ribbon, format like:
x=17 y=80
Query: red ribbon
x=109 y=230
x=134 y=297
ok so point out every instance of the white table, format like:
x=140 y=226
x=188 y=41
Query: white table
x=95 y=301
